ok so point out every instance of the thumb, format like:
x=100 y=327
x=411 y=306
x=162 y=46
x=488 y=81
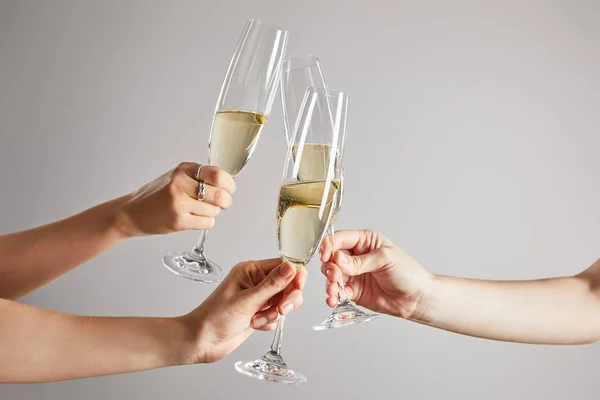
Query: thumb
x=277 y=280
x=357 y=265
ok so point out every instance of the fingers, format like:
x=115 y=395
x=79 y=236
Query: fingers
x=347 y=240
x=211 y=175
x=342 y=240
x=268 y=264
x=300 y=278
x=332 y=288
x=355 y=265
x=217 y=189
x=291 y=297
x=331 y=271
x=267 y=327
x=326 y=249
x=212 y=195
x=290 y=302
x=335 y=275
x=331 y=301
x=265 y=317
x=276 y=281
x=359 y=241
x=270 y=315
x=192 y=222
x=333 y=293
x=202 y=209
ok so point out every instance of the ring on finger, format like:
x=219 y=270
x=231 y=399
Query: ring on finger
x=197 y=174
x=201 y=190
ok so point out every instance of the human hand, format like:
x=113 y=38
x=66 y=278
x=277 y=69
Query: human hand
x=377 y=274
x=170 y=202
x=252 y=296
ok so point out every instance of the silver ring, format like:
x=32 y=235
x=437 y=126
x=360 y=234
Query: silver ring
x=197 y=174
x=201 y=190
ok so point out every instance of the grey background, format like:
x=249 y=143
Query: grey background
x=473 y=143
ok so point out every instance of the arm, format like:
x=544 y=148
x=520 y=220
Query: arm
x=549 y=311
x=32 y=258
x=381 y=276
x=40 y=345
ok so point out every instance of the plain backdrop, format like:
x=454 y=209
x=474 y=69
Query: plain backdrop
x=472 y=142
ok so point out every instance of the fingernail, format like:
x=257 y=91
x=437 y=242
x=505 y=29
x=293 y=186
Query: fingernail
x=286 y=270
x=260 y=321
x=328 y=272
x=287 y=308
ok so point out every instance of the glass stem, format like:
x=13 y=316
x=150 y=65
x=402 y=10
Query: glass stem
x=342 y=297
x=198 y=250
x=278 y=337
x=330 y=231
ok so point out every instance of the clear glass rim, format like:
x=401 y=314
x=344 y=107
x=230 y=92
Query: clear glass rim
x=327 y=92
x=266 y=26
x=301 y=62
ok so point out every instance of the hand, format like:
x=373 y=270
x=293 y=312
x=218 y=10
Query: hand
x=252 y=296
x=170 y=202
x=377 y=274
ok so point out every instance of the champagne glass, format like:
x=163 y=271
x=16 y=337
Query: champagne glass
x=345 y=312
x=242 y=110
x=305 y=205
x=299 y=73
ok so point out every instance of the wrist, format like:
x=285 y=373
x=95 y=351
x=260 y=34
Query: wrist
x=121 y=221
x=197 y=337
x=180 y=343
x=424 y=307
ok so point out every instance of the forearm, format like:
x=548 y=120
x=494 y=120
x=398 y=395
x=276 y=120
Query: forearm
x=32 y=258
x=39 y=345
x=552 y=311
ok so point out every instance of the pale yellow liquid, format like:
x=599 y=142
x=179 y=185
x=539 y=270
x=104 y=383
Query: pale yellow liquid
x=338 y=202
x=233 y=139
x=302 y=217
x=314 y=161
x=313 y=166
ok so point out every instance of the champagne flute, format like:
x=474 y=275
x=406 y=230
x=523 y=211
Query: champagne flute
x=305 y=206
x=345 y=312
x=242 y=110
x=299 y=73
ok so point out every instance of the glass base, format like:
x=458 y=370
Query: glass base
x=271 y=368
x=194 y=267
x=345 y=314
